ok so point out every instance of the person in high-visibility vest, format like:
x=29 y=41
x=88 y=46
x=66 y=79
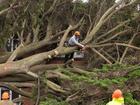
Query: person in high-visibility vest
x=117 y=98
x=5 y=99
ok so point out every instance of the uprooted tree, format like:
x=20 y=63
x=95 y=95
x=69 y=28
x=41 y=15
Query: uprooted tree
x=43 y=26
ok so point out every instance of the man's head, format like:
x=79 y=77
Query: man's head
x=5 y=95
x=117 y=94
x=77 y=33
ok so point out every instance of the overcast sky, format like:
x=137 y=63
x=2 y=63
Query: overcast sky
x=85 y=0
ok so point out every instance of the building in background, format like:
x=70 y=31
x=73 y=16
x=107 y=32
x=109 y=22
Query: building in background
x=12 y=43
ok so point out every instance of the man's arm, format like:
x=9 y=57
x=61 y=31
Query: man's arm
x=77 y=43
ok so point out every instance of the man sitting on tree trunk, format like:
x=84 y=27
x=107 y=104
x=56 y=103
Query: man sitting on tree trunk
x=73 y=41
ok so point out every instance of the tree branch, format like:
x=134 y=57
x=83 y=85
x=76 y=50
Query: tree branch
x=114 y=36
x=112 y=30
x=65 y=36
x=126 y=49
x=102 y=56
x=15 y=89
x=20 y=85
x=106 y=16
x=55 y=87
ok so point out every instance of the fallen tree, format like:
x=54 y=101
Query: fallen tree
x=39 y=30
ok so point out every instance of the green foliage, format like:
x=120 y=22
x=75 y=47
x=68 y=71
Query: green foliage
x=135 y=74
x=129 y=100
x=80 y=80
x=90 y=78
x=50 y=101
x=109 y=82
x=80 y=7
x=113 y=67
